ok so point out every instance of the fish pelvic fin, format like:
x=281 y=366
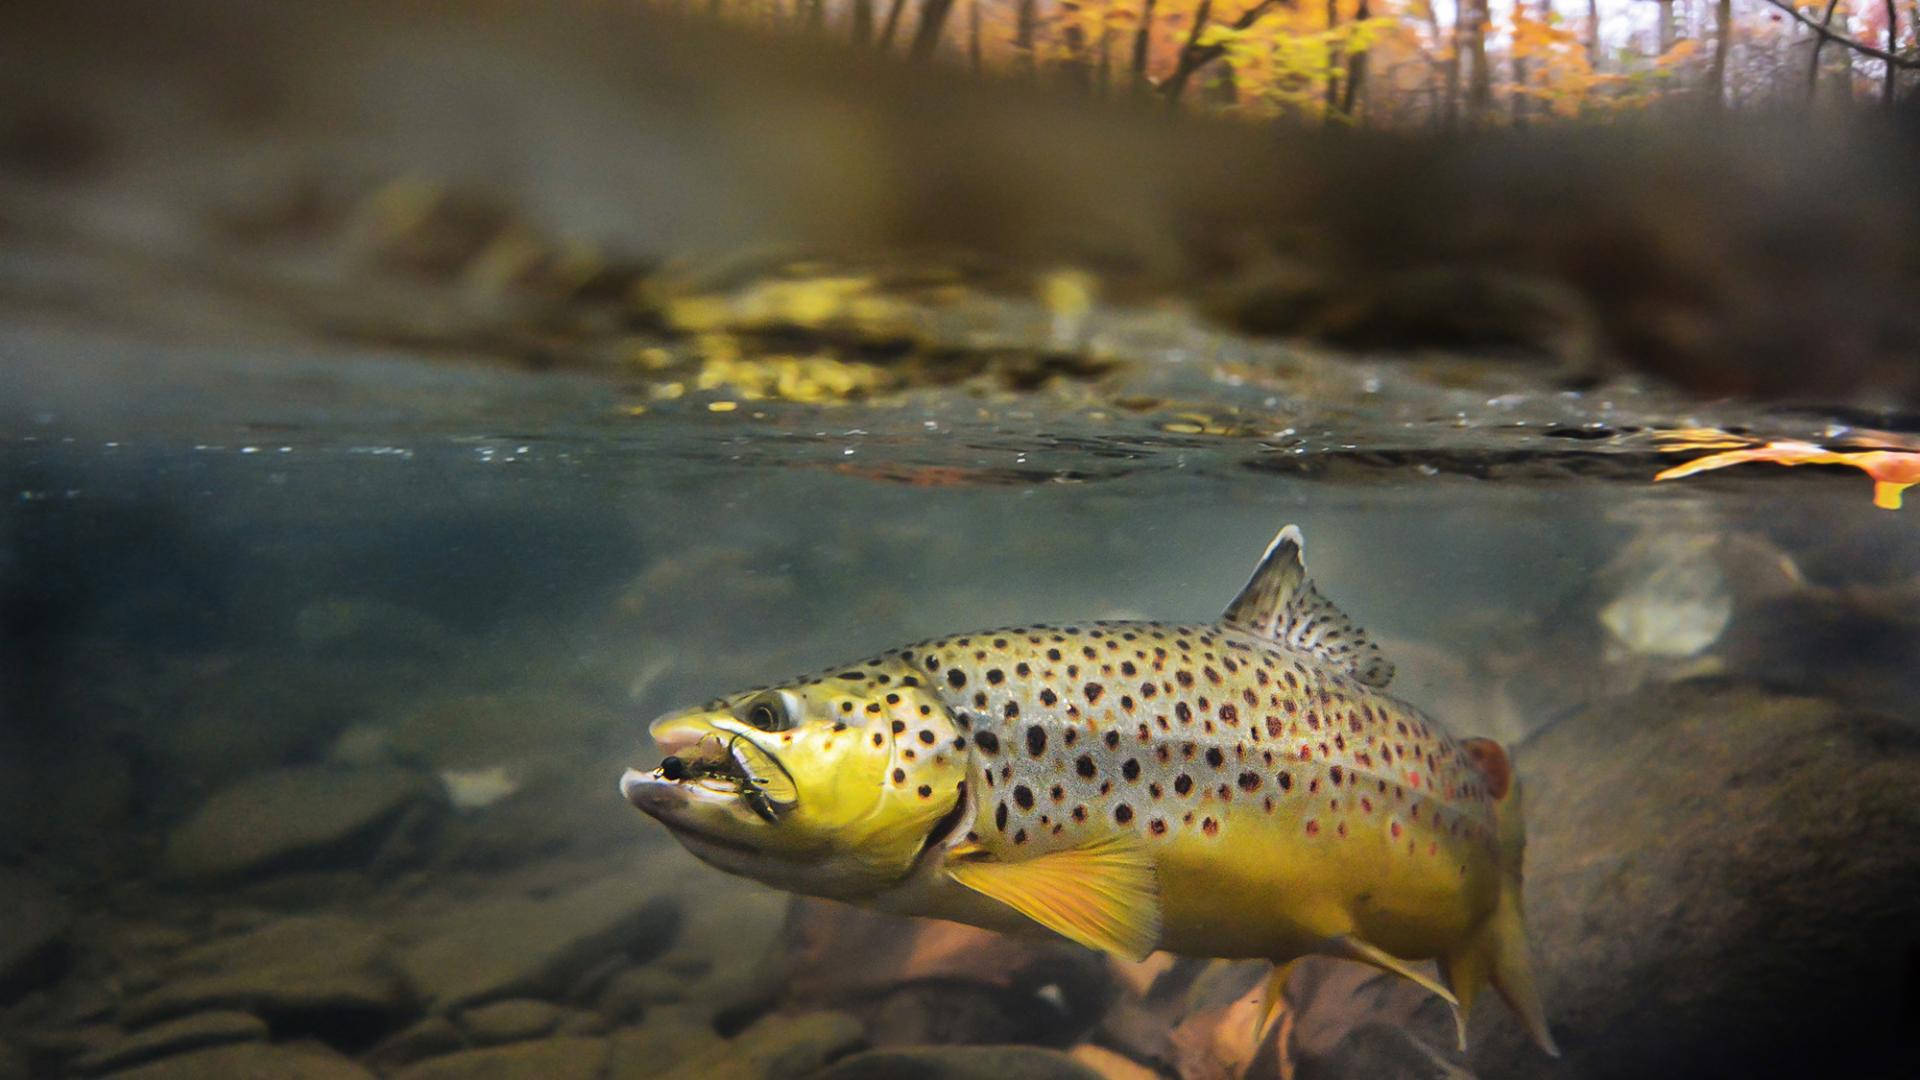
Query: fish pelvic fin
x=1497 y=951
x=1280 y=602
x=1104 y=895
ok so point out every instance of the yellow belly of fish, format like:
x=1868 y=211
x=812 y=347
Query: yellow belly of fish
x=1265 y=888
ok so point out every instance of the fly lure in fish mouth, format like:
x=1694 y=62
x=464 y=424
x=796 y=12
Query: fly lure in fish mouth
x=734 y=767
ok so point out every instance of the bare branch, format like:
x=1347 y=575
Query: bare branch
x=1195 y=56
x=1860 y=47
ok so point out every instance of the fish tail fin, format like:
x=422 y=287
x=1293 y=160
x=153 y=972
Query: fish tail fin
x=1497 y=953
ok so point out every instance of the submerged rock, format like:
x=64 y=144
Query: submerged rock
x=669 y=1037
x=318 y=973
x=510 y=1021
x=547 y=1059
x=295 y=819
x=961 y=1063
x=431 y=1037
x=33 y=950
x=777 y=1047
x=1720 y=880
x=299 y=1061
x=173 y=1037
x=513 y=947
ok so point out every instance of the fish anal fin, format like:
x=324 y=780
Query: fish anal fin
x=1103 y=895
x=1280 y=602
x=1352 y=948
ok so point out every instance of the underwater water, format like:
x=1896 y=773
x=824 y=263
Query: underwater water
x=311 y=743
x=397 y=417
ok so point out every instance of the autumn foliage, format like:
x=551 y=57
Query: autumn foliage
x=1401 y=63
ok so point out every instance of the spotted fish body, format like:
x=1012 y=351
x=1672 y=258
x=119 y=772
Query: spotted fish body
x=1249 y=772
x=1244 y=788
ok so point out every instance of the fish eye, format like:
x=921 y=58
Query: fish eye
x=774 y=712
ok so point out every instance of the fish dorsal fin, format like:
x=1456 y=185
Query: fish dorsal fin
x=1103 y=895
x=1280 y=602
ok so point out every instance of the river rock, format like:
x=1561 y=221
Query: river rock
x=304 y=973
x=431 y=1037
x=1720 y=880
x=33 y=950
x=510 y=1021
x=301 y=818
x=173 y=1037
x=526 y=947
x=298 y=1061
x=670 y=1036
x=960 y=1063
x=777 y=1047
x=546 y=1059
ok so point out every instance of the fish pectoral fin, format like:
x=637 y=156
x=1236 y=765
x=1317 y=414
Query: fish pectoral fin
x=1104 y=895
x=1280 y=602
x=1352 y=948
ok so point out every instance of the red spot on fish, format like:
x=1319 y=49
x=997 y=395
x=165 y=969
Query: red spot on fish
x=1313 y=827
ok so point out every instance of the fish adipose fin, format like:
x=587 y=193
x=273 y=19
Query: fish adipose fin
x=1280 y=602
x=1103 y=895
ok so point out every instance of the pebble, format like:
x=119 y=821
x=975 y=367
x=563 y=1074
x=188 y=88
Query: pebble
x=431 y=1037
x=33 y=951
x=173 y=1037
x=300 y=966
x=777 y=1047
x=298 y=1061
x=518 y=947
x=510 y=1021
x=960 y=1063
x=545 y=1059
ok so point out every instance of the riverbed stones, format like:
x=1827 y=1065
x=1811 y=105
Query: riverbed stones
x=1720 y=879
x=544 y=1059
x=173 y=1037
x=295 y=819
x=668 y=1037
x=508 y=1021
x=430 y=1037
x=960 y=1063
x=34 y=948
x=525 y=947
x=777 y=1047
x=296 y=1061
x=300 y=972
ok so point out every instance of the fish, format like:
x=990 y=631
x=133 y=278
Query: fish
x=1244 y=788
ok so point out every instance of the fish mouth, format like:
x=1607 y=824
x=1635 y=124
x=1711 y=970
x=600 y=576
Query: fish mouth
x=709 y=766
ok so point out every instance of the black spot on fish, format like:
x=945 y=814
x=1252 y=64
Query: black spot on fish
x=1182 y=784
x=1023 y=795
x=1047 y=697
x=1000 y=816
x=1214 y=757
x=926 y=736
x=899 y=776
x=1131 y=770
x=1123 y=813
x=995 y=676
x=1036 y=740
x=956 y=678
x=1084 y=766
x=1093 y=691
x=987 y=741
x=1249 y=781
x=1112 y=738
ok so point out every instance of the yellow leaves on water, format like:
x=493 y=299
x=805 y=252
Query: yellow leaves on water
x=1893 y=464
x=809 y=303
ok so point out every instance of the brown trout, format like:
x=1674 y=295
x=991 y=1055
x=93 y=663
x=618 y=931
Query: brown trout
x=1237 y=789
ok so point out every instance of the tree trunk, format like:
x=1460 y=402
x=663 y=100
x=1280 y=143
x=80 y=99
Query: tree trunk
x=1333 y=61
x=1177 y=82
x=1722 y=43
x=1519 y=71
x=1893 y=49
x=1142 y=40
x=1026 y=21
x=1666 y=26
x=1479 y=79
x=973 y=37
x=1356 y=69
x=862 y=21
x=1813 y=65
x=933 y=19
x=893 y=24
x=1593 y=34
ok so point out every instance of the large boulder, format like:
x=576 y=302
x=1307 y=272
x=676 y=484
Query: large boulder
x=1721 y=880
